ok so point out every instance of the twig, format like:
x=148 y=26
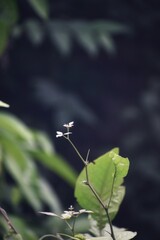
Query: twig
x=5 y=216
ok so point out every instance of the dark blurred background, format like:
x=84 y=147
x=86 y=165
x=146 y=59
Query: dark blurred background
x=96 y=63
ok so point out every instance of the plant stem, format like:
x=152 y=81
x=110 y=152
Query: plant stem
x=73 y=225
x=105 y=208
x=69 y=226
x=78 y=153
x=85 y=161
x=5 y=216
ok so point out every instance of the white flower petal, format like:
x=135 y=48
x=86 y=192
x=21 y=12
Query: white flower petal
x=66 y=215
x=3 y=104
x=59 y=134
x=69 y=125
x=49 y=214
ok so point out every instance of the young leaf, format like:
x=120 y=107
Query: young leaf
x=120 y=233
x=106 y=178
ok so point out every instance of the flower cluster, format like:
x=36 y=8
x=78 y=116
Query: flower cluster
x=68 y=214
x=66 y=134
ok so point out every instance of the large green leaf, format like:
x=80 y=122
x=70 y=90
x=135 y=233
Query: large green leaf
x=41 y=7
x=106 y=176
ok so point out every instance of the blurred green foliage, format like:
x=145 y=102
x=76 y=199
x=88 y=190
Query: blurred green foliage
x=9 y=15
x=90 y=35
x=8 y=18
x=20 y=180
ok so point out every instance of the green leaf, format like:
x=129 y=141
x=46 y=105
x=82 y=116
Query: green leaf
x=110 y=27
x=106 y=41
x=8 y=17
x=58 y=165
x=29 y=191
x=106 y=176
x=49 y=196
x=120 y=233
x=22 y=227
x=4 y=36
x=43 y=142
x=8 y=12
x=121 y=165
x=35 y=31
x=61 y=37
x=17 y=128
x=22 y=169
x=41 y=7
x=12 y=236
x=16 y=195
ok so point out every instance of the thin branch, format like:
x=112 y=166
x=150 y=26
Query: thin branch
x=104 y=207
x=78 y=153
x=5 y=216
x=73 y=226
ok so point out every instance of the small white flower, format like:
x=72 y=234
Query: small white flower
x=69 y=125
x=59 y=134
x=66 y=215
x=71 y=208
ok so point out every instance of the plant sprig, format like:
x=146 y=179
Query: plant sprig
x=66 y=135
